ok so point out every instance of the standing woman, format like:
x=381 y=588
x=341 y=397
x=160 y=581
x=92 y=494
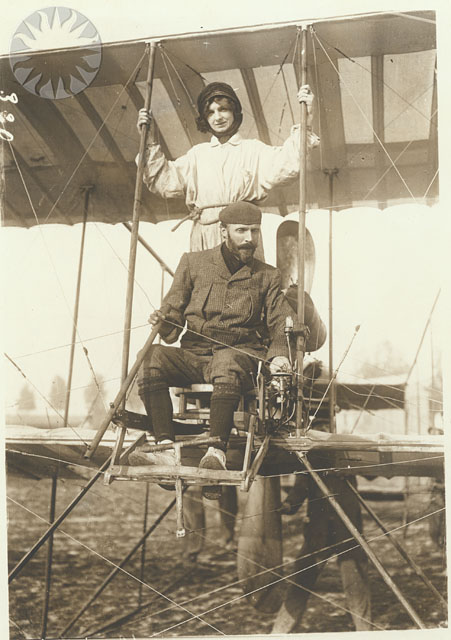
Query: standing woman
x=226 y=169
x=211 y=175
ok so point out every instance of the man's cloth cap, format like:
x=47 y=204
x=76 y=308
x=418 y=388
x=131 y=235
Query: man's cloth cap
x=241 y=213
x=215 y=89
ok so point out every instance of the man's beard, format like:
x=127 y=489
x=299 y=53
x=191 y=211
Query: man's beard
x=244 y=252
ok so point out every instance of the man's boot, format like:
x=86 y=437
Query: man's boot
x=224 y=401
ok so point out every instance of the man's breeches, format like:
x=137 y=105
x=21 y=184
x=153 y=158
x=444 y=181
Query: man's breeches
x=180 y=367
x=229 y=370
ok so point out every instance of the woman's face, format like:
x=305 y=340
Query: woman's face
x=220 y=116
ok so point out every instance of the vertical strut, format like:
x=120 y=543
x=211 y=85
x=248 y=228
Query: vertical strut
x=143 y=548
x=331 y=173
x=161 y=295
x=133 y=247
x=135 y=220
x=87 y=191
x=300 y=339
x=48 y=566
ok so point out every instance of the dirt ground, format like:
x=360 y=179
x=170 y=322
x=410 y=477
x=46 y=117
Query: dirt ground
x=179 y=597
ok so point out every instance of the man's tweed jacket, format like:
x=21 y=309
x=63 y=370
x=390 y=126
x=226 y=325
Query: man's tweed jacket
x=236 y=310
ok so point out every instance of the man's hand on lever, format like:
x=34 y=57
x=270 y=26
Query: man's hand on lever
x=279 y=364
x=156 y=317
x=159 y=315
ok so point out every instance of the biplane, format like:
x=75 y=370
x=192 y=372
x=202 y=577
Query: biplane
x=72 y=160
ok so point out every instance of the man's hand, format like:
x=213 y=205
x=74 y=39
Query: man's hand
x=144 y=117
x=306 y=95
x=156 y=317
x=279 y=364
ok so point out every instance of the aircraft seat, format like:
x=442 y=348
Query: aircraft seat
x=194 y=404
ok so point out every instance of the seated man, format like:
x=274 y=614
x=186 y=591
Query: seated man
x=228 y=301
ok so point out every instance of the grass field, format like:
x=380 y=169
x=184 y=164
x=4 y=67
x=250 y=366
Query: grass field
x=175 y=593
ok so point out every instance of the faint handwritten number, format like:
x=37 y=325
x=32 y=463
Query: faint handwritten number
x=7 y=117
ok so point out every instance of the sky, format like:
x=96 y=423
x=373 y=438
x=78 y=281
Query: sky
x=387 y=272
x=117 y=20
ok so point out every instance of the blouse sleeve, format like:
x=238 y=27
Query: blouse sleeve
x=166 y=178
x=279 y=165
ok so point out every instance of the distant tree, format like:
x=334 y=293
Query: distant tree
x=26 y=400
x=385 y=360
x=94 y=394
x=57 y=395
x=134 y=402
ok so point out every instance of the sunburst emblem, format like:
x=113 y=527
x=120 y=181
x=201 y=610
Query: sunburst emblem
x=55 y=75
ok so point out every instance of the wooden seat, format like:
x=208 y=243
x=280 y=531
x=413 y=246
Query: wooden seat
x=194 y=404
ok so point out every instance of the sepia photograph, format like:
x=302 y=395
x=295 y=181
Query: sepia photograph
x=254 y=185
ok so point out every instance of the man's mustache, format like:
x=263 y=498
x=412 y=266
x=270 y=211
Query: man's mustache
x=247 y=245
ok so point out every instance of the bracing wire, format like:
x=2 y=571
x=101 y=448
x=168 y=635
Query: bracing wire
x=428 y=321
x=356 y=468
x=43 y=397
x=293 y=574
x=387 y=399
x=79 y=388
x=20 y=630
x=398 y=157
x=39 y=225
x=61 y=189
x=179 y=102
x=68 y=344
x=188 y=66
x=283 y=578
x=295 y=46
x=116 y=566
x=321 y=163
x=165 y=55
x=390 y=402
x=236 y=348
x=333 y=377
x=362 y=467
x=288 y=101
x=410 y=105
x=324 y=498
x=367 y=120
x=177 y=99
x=94 y=138
x=143 y=291
x=180 y=79
x=431 y=183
